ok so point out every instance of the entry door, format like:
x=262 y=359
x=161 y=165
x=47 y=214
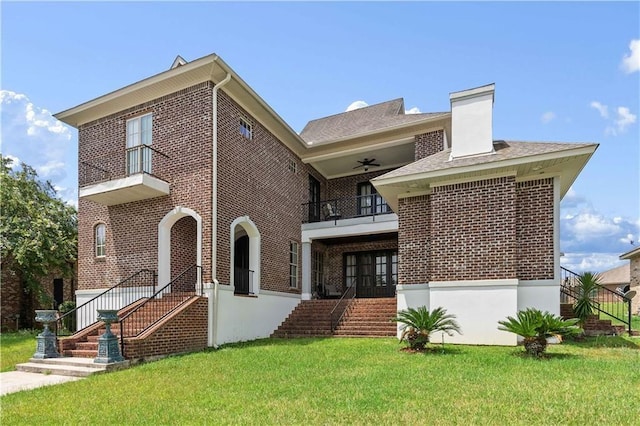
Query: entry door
x=241 y=265
x=314 y=199
x=374 y=273
x=58 y=292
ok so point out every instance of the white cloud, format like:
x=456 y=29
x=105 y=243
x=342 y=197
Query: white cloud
x=8 y=97
x=618 y=124
x=631 y=62
x=356 y=105
x=414 y=110
x=51 y=168
x=38 y=119
x=15 y=161
x=547 y=117
x=592 y=241
x=603 y=109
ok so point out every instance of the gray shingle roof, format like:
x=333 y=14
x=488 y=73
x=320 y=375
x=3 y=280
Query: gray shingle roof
x=504 y=150
x=362 y=120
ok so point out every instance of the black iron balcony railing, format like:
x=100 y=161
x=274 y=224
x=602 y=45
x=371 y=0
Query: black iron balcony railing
x=346 y=208
x=243 y=280
x=138 y=159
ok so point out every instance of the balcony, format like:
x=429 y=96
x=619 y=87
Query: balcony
x=361 y=206
x=111 y=180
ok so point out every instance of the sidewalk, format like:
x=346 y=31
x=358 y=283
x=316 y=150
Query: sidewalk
x=14 y=381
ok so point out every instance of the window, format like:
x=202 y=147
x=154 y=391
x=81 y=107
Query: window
x=100 y=239
x=369 y=202
x=293 y=166
x=293 y=264
x=318 y=269
x=374 y=273
x=246 y=128
x=350 y=271
x=139 y=139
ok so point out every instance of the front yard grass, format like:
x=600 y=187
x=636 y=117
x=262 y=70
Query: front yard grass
x=352 y=381
x=16 y=348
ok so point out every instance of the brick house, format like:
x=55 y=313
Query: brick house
x=634 y=277
x=192 y=167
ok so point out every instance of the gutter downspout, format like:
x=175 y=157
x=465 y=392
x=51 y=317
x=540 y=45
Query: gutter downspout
x=214 y=202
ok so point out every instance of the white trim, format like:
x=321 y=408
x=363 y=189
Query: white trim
x=254 y=250
x=410 y=287
x=164 y=241
x=139 y=186
x=349 y=227
x=508 y=282
x=473 y=179
x=357 y=150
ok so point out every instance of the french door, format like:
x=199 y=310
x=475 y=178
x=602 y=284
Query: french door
x=374 y=273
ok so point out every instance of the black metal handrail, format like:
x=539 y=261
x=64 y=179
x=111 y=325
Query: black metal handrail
x=608 y=302
x=345 y=208
x=243 y=280
x=112 y=165
x=139 y=285
x=341 y=306
x=186 y=285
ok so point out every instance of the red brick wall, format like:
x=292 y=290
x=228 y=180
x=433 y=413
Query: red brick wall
x=534 y=229
x=428 y=144
x=184 y=249
x=254 y=180
x=414 y=230
x=184 y=331
x=335 y=252
x=473 y=230
x=345 y=190
x=182 y=130
x=18 y=304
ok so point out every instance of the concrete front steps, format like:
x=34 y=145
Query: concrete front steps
x=85 y=343
x=369 y=318
x=363 y=318
x=66 y=366
x=310 y=318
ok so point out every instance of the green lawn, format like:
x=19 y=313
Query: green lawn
x=353 y=381
x=16 y=348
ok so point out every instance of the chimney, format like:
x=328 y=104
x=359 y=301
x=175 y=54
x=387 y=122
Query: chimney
x=472 y=121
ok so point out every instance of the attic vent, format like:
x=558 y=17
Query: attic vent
x=179 y=61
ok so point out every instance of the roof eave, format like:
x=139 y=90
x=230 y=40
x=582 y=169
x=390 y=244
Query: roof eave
x=630 y=254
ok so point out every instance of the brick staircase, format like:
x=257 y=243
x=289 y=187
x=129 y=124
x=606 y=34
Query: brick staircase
x=369 y=318
x=85 y=343
x=599 y=327
x=309 y=318
x=363 y=318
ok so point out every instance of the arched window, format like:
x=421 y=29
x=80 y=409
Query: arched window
x=100 y=239
x=245 y=256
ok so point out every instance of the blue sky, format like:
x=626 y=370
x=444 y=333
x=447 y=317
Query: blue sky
x=563 y=72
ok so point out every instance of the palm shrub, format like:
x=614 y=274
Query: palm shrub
x=535 y=326
x=586 y=291
x=419 y=323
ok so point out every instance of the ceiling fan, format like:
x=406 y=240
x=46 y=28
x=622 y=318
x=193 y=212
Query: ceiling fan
x=366 y=163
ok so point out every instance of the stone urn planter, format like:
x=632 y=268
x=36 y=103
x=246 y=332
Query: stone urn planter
x=47 y=343
x=108 y=347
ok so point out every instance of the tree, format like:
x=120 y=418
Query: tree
x=39 y=232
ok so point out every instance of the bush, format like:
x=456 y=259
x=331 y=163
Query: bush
x=419 y=323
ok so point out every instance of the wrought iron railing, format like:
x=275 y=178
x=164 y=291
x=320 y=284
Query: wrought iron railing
x=243 y=280
x=341 y=306
x=608 y=302
x=161 y=303
x=139 y=285
x=345 y=208
x=137 y=159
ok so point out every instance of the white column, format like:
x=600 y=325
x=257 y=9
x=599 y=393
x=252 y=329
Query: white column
x=306 y=271
x=208 y=291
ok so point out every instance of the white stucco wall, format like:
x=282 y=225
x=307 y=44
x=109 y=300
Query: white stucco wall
x=543 y=295
x=242 y=318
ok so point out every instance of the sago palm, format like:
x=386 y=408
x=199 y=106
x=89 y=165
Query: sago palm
x=534 y=326
x=419 y=323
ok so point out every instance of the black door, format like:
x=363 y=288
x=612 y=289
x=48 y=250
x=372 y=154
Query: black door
x=58 y=292
x=241 y=265
x=376 y=273
x=314 y=199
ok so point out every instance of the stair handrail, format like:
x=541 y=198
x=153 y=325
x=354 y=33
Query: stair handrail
x=101 y=299
x=341 y=306
x=611 y=298
x=172 y=285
